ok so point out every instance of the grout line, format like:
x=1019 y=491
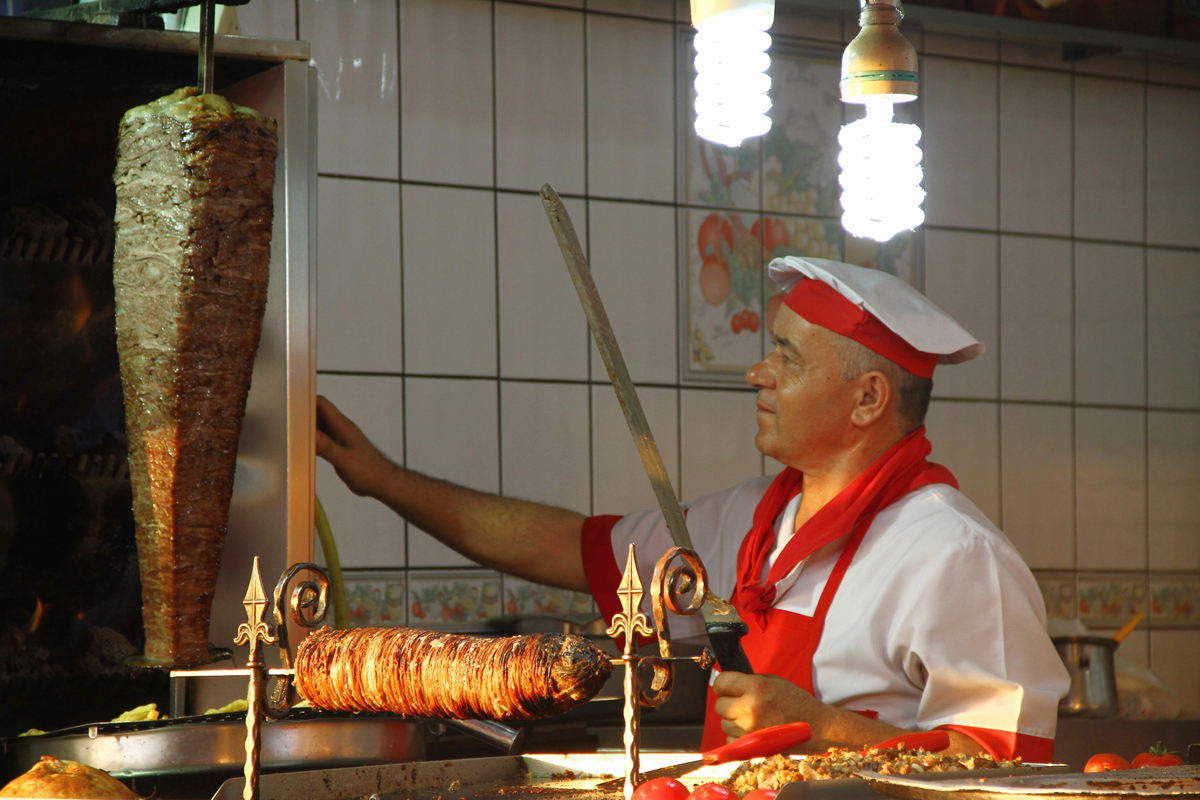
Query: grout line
x=1074 y=442
x=496 y=271
x=400 y=256
x=999 y=217
x=587 y=228
x=1146 y=321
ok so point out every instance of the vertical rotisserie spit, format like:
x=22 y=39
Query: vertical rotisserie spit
x=194 y=184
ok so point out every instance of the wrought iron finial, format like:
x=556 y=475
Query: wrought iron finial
x=631 y=621
x=255 y=629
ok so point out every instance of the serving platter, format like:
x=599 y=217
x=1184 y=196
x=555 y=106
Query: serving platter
x=218 y=742
x=1153 y=782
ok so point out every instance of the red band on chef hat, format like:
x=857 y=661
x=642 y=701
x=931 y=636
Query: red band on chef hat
x=823 y=305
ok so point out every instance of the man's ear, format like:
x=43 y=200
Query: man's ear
x=873 y=399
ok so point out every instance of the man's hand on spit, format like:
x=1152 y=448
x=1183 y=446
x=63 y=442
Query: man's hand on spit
x=358 y=463
x=747 y=703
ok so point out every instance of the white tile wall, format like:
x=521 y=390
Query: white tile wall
x=962 y=277
x=354 y=49
x=1174 y=655
x=1036 y=319
x=1110 y=160
x=1037 y=457
x=367 y=533
x=1097 y=487
x=446 y=97
x=539 y=98
x=631 y=108
x=359 y=322
x=1110 y=324
x=809 y=23
x=1173 y=327
x=543 y=332
x=717 y=441
x=1174 y=502
x=1110 y=489
x=449 y=281
x=965 y=438
x=1172 y=166
x=452 y=431
x=544 y=453
x=633 y=264
x=1035 y=151
x=960 y=142
x=268 y=19
x=619 y=482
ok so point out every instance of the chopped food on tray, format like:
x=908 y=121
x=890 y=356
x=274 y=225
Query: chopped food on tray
x=140 y=714
x=236 y=705
x=774 y=772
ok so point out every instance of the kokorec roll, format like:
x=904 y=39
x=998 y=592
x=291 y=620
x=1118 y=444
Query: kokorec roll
x=427 y=674
x=194 y=182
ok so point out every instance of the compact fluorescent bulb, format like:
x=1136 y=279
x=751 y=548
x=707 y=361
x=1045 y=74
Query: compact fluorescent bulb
x=731 y=64
x=880 y=158
x=881 y=174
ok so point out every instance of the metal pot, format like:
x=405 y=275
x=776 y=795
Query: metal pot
x=1089 y=660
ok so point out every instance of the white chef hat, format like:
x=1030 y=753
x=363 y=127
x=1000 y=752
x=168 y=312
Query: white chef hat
x=874 y=308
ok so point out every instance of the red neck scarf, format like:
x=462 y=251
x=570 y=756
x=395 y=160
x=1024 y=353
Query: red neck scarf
x=893 y=475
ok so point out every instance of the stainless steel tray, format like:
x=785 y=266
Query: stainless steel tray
x=1159 y=782
x=544 y=775
x=182 y=746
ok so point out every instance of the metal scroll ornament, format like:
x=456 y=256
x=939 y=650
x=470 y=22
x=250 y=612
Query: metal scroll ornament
x=669 y=586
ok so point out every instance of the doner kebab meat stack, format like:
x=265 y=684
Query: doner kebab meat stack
x=194 y=180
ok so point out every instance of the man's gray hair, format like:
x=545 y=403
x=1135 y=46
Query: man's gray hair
x=912 y=391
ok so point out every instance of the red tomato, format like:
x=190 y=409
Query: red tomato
x=1158 y=756
x=772 y=233
x=417 y=610
x=735 y=322
x=751 y=321
x=714 y=281
x=715 y=237
x=761 y=794
x=1103 y=762
x=661 y=789
x=712 y=791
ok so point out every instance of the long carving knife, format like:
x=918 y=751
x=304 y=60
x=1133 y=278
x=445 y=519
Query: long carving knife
x=721 y=620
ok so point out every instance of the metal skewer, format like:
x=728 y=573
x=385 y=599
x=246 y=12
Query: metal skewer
x=208 y=32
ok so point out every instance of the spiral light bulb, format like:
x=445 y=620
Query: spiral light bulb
x=731 y=64
x=881 y=174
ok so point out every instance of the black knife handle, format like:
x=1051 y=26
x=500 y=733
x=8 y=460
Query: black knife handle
x=726 y=641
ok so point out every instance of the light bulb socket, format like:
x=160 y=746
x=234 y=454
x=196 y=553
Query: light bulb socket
x=879 y=63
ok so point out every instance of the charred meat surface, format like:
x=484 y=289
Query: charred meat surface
x=194 y=183
x=429 y=674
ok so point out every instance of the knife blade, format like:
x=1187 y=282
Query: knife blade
x=721 y=620
x=760 y=744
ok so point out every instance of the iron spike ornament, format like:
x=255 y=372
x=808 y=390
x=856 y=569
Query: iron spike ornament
x=669 y=586
x=254 y=630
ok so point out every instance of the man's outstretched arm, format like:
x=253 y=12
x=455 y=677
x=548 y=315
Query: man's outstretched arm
x=537 y=542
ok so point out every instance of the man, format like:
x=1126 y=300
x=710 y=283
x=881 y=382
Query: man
x=879 y=598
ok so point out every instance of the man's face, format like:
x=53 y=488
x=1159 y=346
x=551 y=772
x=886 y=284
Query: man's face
x=804 y=406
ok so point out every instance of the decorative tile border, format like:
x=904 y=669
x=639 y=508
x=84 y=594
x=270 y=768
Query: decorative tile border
x=523 y=597
x=1058 y=593
x=1109 y=600
x=1174 y=601
x=464 y=599
x=376 y=599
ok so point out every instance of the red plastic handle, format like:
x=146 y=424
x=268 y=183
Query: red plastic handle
x=766 y=742
x=933 y=741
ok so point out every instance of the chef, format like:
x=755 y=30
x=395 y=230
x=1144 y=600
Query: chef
x=879 y=598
